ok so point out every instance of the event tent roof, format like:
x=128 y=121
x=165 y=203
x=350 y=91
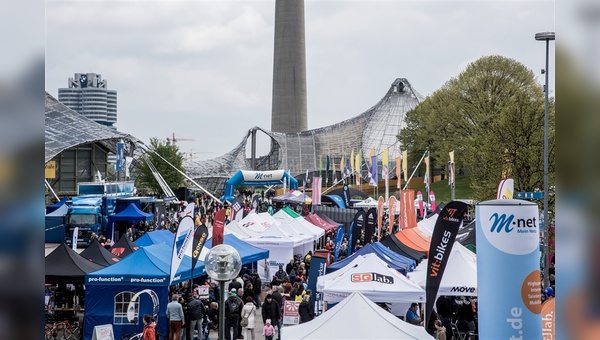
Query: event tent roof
x=374 y=278
x=267 y=217
x=239 y=231
x=460 y=275
x=156 y=237
x=318 y=232
x=356 y=317
x=65 y=265
x=392 y=242
x=248 y=252
x=123 y=247
x=321 y=223
x=61 y=210
x=415 y=239
x=50 y=208
x=293 y=197
x=400 y=263
x=254 y=222
x=353 y=193
x=131 y=213
x=99 y=255
x=275 y=236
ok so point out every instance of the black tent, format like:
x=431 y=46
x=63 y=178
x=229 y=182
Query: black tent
x=392 y=242
x=64 y=265
x=467 y=235
x=99 y=255
x=353 y=193
x=123 y=247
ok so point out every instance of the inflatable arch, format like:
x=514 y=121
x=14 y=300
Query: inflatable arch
x=257 y=178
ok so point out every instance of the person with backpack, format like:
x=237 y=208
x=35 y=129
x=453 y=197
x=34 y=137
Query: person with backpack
x=248 y=321
x=233 y=311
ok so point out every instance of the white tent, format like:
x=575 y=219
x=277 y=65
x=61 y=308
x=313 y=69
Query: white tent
x=282 y=217
x=267 y=217
x=368 y=203
x=460 y=275
x=427 y=225
x=356 y=317
x=319 y=232
x=307 y=237
x=239 y=231
x=282 y=246
x=254 y=222
x=372 y=277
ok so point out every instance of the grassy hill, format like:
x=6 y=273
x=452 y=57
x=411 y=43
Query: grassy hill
x=462 y=190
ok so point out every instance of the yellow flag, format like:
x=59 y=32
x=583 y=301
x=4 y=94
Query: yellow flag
x=384 y=157
x=352 y=160
x=405 y=164
x=371 y=154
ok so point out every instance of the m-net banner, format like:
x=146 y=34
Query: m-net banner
x=508 y=270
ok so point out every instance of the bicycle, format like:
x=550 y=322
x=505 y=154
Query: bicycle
x=63 y=330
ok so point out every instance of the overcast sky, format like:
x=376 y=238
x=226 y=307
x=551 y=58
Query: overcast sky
x=203 y=69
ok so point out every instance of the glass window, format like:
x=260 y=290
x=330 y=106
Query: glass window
x=121 y=304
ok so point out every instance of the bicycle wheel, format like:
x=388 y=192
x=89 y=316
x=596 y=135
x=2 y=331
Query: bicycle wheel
x=73 y=333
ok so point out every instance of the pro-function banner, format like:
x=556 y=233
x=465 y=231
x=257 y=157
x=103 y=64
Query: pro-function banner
x=182 y=239
x=357 y=228
x=444 y=233
x=508 y=269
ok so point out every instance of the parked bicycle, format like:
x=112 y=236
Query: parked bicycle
x=63 y=330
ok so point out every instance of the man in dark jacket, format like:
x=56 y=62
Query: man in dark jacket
x=277 y=295
x=257 y=284
x=271 y=310
x=196 y=310
x=233 y=313
x=305 y=310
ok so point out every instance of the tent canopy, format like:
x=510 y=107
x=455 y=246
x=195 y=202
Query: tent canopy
x=156 y=237
x=392 y=242
x=50 y=208
x=239 y=231
x=65 y=265
x=123 y=247
x=372 y=277
x=131 y=213
x=353 y=193
x=400 y=263
x=293 y=197
x=321 y=223
x=356 y=317
x=367 y=203
x=99 y=255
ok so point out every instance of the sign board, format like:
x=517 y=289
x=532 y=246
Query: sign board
x=50 y=169
x=291 y=313
x=103 y=332
x=202 y=291
x=529 y=195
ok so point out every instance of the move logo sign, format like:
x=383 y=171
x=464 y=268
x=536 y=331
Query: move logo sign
x=462 y=289
x=374 y=277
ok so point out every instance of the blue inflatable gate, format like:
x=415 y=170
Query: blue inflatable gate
x=257 y=178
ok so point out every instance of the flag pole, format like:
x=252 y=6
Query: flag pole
x=415 y=170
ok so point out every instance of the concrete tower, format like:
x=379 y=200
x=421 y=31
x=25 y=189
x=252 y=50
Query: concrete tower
x=288 y=113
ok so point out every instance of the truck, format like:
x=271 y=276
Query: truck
x=90 y=209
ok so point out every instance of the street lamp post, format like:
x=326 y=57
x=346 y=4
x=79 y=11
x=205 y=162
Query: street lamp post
x=547 y=37
x=222 y=263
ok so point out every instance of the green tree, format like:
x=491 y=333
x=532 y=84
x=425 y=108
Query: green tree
x=492 y=115
x=144 y=176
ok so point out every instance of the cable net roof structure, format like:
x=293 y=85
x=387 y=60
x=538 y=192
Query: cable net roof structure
x=66 y=128
x=375 y=128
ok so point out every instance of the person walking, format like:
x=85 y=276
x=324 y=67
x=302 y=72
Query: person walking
x=305 y=310
x=233 y=310
x=196 y=311
x=249 y=318
x=272 y=311
x=149 y=328
x=176 y=318
x=268 y=330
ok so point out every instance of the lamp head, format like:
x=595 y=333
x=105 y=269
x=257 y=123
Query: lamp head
x=223 y=262
x=543 y=36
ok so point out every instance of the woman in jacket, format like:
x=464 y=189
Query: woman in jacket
x=249 y=311
x=306 y=311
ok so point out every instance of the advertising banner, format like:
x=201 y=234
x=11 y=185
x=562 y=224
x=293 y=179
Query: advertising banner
x=380 y=211
x=339 y=236
x=408 y=218
x=446 y=227
x=291 y=312
x=346 y=194
x=200 y=237
x=120 y=165
x=316 y=190
x=392 y=212
x=218 y=228
x=357 y=226
x=508 y=271
x=316 y=269
x=370 y=225
x=183 y=237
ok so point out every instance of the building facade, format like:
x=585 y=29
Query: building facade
x=88 y=94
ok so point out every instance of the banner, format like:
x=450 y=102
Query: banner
x=405 y=165
x=408 y=218
x=371 y=221
x=339 y=236
x=426 y=179
x=358 y=224
x=373 y=172
x=346 y=195
x=420 y=201
x=380 y=211
x=182 y=238
x=76 y=236
x=316 y=190
x=291 y=312
x=316 y=269
x=384 y=164
x=446 y=227
x=189 y=210
x=392 y=212
x=432 y=200
x=120 y=165
x=358 y=166
x=334 y=173
x=218 y=228
x=327 y=165
x=200 y=237
x=508 y=269
x=237 y=209
x=451 y=172
x=549 y=319
x=352 y=165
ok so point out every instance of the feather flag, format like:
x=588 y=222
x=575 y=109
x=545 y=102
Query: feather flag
x=371 y=154
x=384 y=164
x=426 y=179
x=358 y=166
x=398 y=167
x=352 y=163
x=334 y=174
x=320 y=166
x=405 y=165
x=327 y=170
x=342 y=165
x=373 y=172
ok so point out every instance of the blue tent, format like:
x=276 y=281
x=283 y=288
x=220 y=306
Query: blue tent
x=132 y=214
x=156 y=237
x=396 y=261
x=52 y=207
x=109 y=290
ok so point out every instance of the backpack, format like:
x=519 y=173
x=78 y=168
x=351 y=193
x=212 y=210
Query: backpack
x=233 y=308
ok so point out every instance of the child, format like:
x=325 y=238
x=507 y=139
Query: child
x=268 y=330
x=149 y=328
x=440 y=330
